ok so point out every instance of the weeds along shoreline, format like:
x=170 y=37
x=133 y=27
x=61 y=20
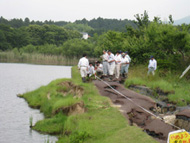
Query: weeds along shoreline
x=36 y=58
x=75 y=112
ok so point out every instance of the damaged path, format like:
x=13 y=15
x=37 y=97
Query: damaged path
x=136 y=116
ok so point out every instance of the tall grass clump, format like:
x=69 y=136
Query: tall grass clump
x=163 y=80
x=35 y=58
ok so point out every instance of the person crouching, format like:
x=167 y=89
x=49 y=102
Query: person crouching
x=91 y=70
x=99 y=68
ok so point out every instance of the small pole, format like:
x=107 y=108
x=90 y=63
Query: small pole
x=186 y=70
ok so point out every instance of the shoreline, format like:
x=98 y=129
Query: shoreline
x=75 y=111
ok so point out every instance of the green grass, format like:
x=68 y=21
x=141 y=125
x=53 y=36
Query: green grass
x=54 y=125
x=101 y=123
x=164 y=80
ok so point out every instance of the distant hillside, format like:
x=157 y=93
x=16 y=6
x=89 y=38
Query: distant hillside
x=102 y=25
x=99 y=25
x=185 y=20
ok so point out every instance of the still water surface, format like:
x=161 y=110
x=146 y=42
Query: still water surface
x=14 y=111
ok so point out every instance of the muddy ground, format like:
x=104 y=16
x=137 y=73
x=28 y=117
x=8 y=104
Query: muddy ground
x=135 y=115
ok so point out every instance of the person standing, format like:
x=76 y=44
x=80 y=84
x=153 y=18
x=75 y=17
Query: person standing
x=83 y=66
x=152 y=66
x=124 y=63
x=117 y=64
x=127 y=66
x=111 y=63
x=105 y=63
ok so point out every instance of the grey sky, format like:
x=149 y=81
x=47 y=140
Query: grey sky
x=71 y=10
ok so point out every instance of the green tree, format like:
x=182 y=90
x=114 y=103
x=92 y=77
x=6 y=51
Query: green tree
x=79 y=27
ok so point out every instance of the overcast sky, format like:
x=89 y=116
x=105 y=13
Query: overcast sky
x=71 y=10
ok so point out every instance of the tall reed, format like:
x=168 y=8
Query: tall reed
x=35 y=58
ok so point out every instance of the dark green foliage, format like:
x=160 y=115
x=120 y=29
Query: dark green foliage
x=78 y=27
x=34 y=35
x=76 y=47
x=169 y=44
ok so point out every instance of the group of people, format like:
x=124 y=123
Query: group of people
x=115 y=65
x=112 y=65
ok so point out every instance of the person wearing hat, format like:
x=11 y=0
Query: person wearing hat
x=83 y=67
x=152 y=65
x=105 y=63
x=111 y=63
x=117 y=64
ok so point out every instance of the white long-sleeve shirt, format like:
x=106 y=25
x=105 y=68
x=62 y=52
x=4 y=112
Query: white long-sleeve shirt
x=91 y=70
x=83 y=62
x=127 y=56
x=111 y=58
x=105 y=57
x=152 y=64
x=118 y=59
x=124 y=60
x=100 y=68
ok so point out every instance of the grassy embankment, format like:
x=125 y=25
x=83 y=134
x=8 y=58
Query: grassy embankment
x=35 y=58
x=164 y=80
x=101 y=123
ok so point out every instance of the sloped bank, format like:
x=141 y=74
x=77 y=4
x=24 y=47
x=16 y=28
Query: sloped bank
x=75 y=112
x=154 y=127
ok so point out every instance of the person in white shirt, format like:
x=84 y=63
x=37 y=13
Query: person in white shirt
x=91 y=70
x=111 y=63
x=117 y=64
x=83 y=66
x=124 y=63
x=105 y=63
x=127 y=66
x=99 y=68
x=152 y=66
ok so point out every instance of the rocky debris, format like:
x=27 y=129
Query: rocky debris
x=169 y=119
x=154 y=127
x=70 y=88
x=77 y=108
x=112 y=78
x=142 y=90
x=163 y=107
x=185 y=114
x=157 y=128
x=149 y=92
x=183 y=119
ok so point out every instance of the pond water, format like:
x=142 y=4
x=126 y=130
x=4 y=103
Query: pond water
x=14 y=111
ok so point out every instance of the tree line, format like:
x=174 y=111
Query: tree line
x=98 y=25
x=169 y=44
